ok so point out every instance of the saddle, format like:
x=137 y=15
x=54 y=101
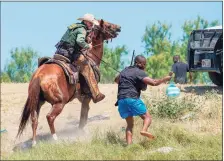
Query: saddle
x=71 y=71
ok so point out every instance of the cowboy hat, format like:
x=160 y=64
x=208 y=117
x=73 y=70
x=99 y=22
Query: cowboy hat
x=90 y=18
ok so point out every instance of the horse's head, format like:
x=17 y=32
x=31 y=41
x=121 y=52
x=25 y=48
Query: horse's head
x=106 y=30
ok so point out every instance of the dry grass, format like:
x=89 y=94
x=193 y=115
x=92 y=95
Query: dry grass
x=197 y=137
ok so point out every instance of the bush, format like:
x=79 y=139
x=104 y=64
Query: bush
x=172 y=108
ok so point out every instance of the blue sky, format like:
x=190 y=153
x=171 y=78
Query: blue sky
x=40 y=25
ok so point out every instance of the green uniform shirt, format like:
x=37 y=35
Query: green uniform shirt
x=76 y=35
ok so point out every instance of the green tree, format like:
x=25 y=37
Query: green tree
x=21 y=66
x=5 y=77
x=157 y=38
x=113 y=59
x=159 y=46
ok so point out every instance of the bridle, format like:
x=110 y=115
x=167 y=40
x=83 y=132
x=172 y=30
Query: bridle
x=103 y=32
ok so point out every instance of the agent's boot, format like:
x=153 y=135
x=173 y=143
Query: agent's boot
x=99 y=98
x=87 y=71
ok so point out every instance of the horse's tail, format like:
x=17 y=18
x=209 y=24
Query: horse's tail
x=32 y=104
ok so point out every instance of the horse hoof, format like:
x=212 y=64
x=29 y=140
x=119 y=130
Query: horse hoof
x=81 y=130
x=34 y=143
x=55 y=137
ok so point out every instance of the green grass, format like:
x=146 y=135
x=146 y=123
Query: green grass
x=199 y=138
x=187 y=146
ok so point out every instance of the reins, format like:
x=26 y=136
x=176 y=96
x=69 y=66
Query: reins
x=101 y=58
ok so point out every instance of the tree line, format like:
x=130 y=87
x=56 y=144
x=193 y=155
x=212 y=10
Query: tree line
x=158 y=48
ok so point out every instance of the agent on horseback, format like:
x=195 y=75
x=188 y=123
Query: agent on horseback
x=75 y=44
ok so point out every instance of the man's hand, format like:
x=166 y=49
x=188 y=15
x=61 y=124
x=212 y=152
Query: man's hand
x=90 y=46
x=170 y=74
x=167 y=78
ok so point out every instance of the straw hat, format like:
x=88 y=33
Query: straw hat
x=90 y=18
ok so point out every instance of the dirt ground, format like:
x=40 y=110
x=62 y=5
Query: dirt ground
x=102 y=116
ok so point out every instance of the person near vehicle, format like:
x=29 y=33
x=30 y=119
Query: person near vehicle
x=180 y=70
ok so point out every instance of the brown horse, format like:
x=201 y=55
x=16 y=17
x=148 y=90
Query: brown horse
x=49 y=84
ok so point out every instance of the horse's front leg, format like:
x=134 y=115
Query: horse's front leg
x=84 y=112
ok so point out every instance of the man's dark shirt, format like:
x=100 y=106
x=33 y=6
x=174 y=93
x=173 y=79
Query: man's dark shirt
x=130 y=82
x=180 y=69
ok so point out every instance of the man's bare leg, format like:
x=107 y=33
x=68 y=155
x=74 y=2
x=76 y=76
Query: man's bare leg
x=130 y=125
x=146 y=123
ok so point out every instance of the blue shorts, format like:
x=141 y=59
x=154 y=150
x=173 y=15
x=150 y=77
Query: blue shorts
x=131 y=107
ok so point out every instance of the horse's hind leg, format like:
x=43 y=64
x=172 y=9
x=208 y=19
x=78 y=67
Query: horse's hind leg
x=34 y=118
x=34 y=126
x=55 y=111
x=84 y=112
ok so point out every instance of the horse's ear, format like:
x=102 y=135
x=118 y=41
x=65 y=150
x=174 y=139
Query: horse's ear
x=101 y=23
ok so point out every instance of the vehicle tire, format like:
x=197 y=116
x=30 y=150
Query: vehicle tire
x=216 y=78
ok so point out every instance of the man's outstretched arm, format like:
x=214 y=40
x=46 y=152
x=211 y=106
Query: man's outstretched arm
x=155 y=82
